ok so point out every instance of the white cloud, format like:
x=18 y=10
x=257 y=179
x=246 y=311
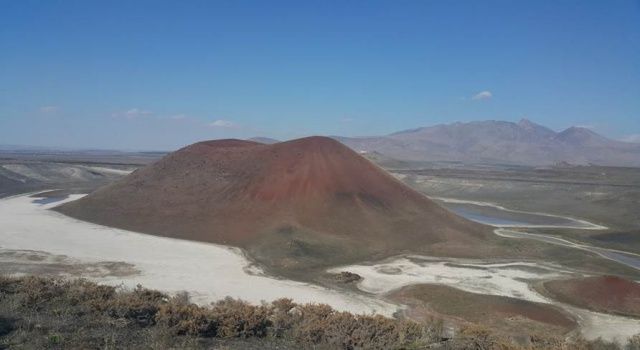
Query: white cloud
x=48 y=109
x=133 y=113
x=220 y=123
x=632 y=138
x=482 y=95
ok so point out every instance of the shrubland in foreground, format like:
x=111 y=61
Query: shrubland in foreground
x=51 y=313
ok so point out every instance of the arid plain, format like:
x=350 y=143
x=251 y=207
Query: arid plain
x=587 y=206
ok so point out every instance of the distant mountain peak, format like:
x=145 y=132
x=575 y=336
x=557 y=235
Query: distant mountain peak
x=407 y=131
x=582 y=136
x=526 y=123
x=501 y=142
x=578 y=130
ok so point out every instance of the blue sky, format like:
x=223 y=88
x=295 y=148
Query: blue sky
x=162 y=74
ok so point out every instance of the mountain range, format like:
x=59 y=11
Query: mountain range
x=500 y=142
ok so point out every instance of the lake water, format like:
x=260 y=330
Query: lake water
x=625 y=258
x=48 y=200
x=485 y=219
x=494 y=215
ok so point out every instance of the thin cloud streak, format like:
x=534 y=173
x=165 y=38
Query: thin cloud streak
x=482 y=95
x=132 y=113
x=221 y=123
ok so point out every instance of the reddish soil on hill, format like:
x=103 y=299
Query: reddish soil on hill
x=310 y=199
x=602 y=293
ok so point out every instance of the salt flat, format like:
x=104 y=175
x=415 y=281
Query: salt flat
x=208 y=272
x=510 y=279
x=110 y=170
x=503 y=279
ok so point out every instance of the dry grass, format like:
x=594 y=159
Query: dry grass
x=51 y=314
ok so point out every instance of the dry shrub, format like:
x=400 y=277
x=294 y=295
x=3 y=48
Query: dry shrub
x=541 y=341
x=284 y=315
x=97 y=315
x=187 y=319
x=139 y=306
x=370 y=332
x=313 y=322
x=35 y=291
x=320 y=324
x=633 y=343
x=238 y=319
x=10 y=285
x=479 y=337
x=580 y=343
x=600 y=344
x=83 y=292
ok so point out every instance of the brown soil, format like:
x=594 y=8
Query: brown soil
x=503 y=314
x=302 y=203
x=608 y=294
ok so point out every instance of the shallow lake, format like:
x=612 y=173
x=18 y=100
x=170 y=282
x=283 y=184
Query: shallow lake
x=625 y=258
x=495 y=215
x=48 y=200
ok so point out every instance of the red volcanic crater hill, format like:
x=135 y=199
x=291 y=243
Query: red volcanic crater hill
x=600 y=293
x=309 y=201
